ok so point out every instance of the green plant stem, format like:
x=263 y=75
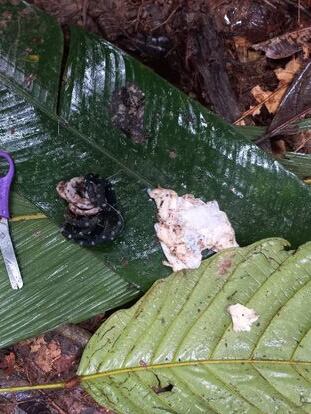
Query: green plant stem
x=122 y=371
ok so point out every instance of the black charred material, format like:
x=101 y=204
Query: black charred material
x=100 y=228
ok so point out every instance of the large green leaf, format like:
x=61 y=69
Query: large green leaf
x=56 y=130
x=175 y=351
x=211 y=159
x=60 y=284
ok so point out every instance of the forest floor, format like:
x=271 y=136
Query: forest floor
x=245 y=60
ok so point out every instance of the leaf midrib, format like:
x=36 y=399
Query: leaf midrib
x=64 y=124
x=180 y=364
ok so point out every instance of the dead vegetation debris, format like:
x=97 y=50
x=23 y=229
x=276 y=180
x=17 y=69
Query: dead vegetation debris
x=47 y=358
x=272 y=99
x=127 y=112
x=248 y=60
x=226 y=54
x=287 y=44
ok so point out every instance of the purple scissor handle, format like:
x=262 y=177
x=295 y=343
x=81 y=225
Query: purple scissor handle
x=6 y=245
x=5 y=184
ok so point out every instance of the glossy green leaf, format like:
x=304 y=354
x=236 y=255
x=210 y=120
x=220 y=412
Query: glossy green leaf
x=57 y=125
x=175 y=351
x=299 y=164
x=251 y=132
x=211 y=160
x=60 y=283
x=31 y=51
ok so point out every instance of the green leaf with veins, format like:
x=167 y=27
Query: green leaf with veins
x=59 y=285
x=58 y=126
x=175 y=351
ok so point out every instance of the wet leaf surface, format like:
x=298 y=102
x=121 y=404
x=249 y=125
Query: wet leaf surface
x=177 y=351
x=188 y=149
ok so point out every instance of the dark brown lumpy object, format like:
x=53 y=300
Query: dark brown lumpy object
x=92 y=217
x=249 y=18
x=127 y=112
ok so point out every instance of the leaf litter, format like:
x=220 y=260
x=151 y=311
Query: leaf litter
x=138 y=29
x=216 y=51
x=296 y=102
x=51 y=357
x=286 y=45
x=270 y=99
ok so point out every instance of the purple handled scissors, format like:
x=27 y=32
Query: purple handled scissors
x=6 y=245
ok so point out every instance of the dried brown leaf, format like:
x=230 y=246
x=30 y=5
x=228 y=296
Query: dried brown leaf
x=285 y=45
x=241 y=120
x=252 y=19
x=272 y=99
x=269 y=99
x=8 y=363
x=37 y=344
x=242 y=46
x=286 y=75
x=21 y=368
x=302 y=142
x=296 y=102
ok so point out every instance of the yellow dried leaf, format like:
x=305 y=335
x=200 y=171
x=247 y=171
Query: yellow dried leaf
x=286 y=75
x=271 y=103
x=306 y=51
x=256 y=110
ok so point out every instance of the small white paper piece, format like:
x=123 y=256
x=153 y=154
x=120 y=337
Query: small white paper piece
x=242 y=317
x=187 y=226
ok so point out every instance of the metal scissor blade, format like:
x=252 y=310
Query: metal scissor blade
x=9 y=257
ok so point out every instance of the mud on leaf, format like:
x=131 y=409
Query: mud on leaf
x=127 y=112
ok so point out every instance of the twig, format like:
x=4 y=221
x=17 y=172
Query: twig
x=251 y=110
x=138 y=15
x=302 y=145
x=299 y=5
x=299 y=13
x=167 y=20
x=84 y=11
x=282 y=126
